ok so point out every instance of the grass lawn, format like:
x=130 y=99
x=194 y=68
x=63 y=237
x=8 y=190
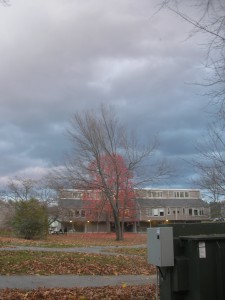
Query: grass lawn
x=129 y=251
x=78 y=240
x=49 y=263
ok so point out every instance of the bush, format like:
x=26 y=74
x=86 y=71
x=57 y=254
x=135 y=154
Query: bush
x=30 y=219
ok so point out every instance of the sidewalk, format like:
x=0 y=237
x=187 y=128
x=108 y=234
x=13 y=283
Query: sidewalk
x=29 y=282
x=91 y=249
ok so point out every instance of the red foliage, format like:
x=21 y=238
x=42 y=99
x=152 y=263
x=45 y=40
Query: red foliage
x=118 y=180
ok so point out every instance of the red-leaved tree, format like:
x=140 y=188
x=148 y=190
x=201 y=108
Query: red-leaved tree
x=117 y=201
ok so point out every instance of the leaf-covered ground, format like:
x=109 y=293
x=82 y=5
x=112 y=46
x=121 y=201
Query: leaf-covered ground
x=49 y=263
x=128 y=251
x=104 y=293
x=78 y=240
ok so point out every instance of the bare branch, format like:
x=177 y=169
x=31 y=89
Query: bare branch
x=211 y=21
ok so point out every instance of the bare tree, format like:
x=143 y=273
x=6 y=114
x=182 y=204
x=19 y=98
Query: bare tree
x=211 y=22
x=210 y=161
x=22 y=188
x=25 y=188
x=4 y=2
x=97 y=136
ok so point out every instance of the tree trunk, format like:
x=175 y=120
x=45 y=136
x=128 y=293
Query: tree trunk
x=118 y=227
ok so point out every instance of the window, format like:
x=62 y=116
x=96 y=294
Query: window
x=70 y=213
x=155 y=212
x=77 y=213
x=159 y=194
x=158 y=212
x=83 y=213
x=96 y=196
x=161 y=212
x=142 y=193
x=77 y=195
x=127 y=212
x=148 y=211
x=195 y=212
x=183 y=211
x=181 y=194
x=155 y=194
x=168 y=211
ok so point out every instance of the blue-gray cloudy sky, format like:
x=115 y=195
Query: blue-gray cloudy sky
x=58 y=57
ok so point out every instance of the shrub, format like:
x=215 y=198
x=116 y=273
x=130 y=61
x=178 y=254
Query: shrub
x=30 y=219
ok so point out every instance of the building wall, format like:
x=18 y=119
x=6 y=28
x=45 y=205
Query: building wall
x=6 y=212
x=96 y=227
x=175 y=213
x=172 y=205
x=154 y=206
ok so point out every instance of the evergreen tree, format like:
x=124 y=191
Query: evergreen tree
x=30 y=219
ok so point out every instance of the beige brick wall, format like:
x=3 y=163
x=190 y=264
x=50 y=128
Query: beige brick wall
x=5 y=214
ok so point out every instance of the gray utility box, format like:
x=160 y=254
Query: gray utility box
x=160 y=246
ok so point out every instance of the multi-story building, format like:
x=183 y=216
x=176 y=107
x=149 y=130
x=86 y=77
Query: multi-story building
x=171 y=206
x=150 y=207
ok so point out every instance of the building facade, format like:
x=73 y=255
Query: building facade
x=150 y=208
x=6 y=212
x=171 y=206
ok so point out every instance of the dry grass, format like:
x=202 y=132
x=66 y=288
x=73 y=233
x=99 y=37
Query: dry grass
x=78 y=240
x=104 y=293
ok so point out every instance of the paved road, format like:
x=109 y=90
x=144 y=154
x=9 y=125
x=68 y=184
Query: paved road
x=29 y=282
x=93 y=249
x=69 y=281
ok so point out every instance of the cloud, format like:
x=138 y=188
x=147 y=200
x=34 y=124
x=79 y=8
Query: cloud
x=58 y=57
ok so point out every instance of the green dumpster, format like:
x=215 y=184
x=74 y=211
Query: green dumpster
x=205 y=267
x=198 y=272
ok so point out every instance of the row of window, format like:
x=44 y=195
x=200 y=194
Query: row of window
x=161 y=194
x=88 y=195
x=150 y=194
x=81 y=213
x=181 y=194
x=77 y=195
x=155 y=212
x=77 y=213
x=150 y=212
